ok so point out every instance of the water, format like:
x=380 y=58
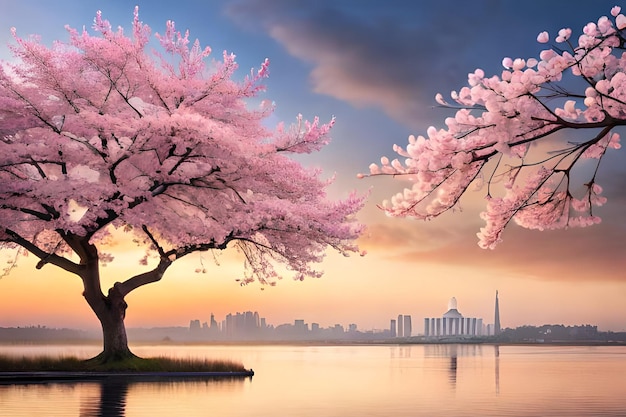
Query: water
x=337 y=381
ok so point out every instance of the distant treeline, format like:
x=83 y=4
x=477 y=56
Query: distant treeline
x=558 y=332
x=41 y=333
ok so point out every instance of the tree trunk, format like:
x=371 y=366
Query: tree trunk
x=111 y=311
x=113 y=329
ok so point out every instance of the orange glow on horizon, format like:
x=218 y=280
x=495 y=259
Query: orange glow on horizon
x=368 y=291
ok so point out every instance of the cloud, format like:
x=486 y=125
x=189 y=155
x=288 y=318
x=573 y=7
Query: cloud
x=391 y=61
x=576 y=255
x=397 y=236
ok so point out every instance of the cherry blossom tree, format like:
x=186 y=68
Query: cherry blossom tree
x=101 y=136
x=489 y=141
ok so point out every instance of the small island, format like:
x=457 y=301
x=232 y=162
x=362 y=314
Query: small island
x=40 y=369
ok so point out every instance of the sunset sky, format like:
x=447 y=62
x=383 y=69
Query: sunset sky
x=376 y=66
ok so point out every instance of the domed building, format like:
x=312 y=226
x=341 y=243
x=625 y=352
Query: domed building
x=452 y=323
x=452 y=312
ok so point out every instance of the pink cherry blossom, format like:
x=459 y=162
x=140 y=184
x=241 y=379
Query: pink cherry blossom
x=487 y=140
x=564 y=35
x=167 y=152
x=543 y=37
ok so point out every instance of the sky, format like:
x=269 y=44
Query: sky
x=375 y=66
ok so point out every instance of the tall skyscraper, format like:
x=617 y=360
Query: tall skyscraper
x=496 y=320
x=408 y=328
x=400 y=325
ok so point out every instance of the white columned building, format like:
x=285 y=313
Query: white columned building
x=453 y=324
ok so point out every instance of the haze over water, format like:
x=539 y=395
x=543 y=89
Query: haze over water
x=382 y=380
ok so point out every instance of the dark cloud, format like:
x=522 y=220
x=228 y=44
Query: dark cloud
x=396 y=55
x=391 y=59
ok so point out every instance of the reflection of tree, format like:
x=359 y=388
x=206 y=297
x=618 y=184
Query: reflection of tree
x=113 y=395
x=110 y=403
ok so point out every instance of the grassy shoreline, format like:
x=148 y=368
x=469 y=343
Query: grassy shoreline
x=157 y=364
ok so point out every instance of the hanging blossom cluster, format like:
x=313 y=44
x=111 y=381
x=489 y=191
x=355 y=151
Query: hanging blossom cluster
x=497 y=119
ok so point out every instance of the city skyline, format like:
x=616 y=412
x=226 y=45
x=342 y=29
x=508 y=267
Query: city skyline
x=248 y=322
x=299 y=330
x=401 y=55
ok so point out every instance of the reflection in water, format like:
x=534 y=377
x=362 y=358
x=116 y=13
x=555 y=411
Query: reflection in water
x=111 y=402
x=453 y=366
x=497 y=355
x=341 y=381
x=113 y=393
x=401 y=351
x=456 y=351
x=451 y=349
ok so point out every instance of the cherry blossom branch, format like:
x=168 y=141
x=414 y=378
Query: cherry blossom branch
x=45 y=257
x=503 y=115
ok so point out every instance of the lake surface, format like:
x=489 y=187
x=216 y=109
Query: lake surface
x=338 y=381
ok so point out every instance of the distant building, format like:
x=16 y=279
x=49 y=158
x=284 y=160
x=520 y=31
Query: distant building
x=496 y=320
x=402 y=327
x=240 y=326
x=453 y=323
x=408 y=327
x=194 y=325
x=315 y=328
x=300 y=328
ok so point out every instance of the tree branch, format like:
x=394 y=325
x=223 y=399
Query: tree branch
x=154 y=241
x=45 y=257
x=142 y=279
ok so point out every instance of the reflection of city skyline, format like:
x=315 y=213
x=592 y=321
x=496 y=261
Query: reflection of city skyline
x=455 y=361
x=458 y=355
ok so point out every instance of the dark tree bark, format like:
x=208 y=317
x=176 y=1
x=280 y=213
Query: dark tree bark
x=115 y=341
x=110 y=309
